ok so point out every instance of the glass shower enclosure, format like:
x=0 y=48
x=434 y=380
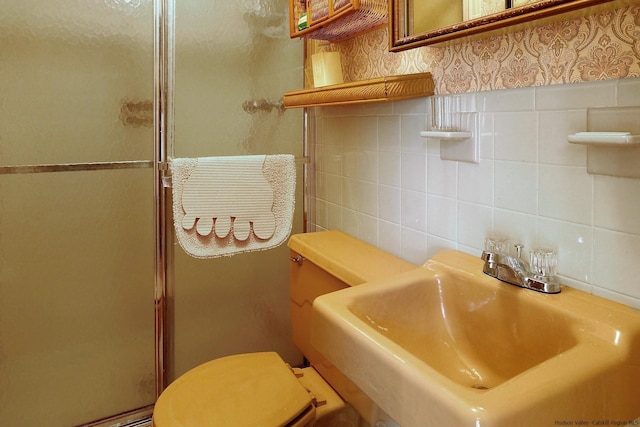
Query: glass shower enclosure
x=229 y=80
x=78 y=157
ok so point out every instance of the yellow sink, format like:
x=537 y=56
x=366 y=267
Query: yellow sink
x=446 y=345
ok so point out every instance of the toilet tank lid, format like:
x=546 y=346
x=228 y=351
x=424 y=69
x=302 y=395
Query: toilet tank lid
x=241 y=390
x=351 y=260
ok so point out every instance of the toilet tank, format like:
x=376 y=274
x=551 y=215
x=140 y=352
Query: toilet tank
x=328 y=261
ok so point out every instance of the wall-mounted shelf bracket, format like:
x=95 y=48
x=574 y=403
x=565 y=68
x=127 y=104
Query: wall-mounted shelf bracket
x=619 y=139
x=612 y=140
x=460 y=146
x=445 y=135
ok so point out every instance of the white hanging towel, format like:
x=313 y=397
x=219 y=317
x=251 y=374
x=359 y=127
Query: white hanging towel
x=227 y=205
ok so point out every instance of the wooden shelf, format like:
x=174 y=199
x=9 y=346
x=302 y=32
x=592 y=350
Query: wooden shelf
x=382 y=89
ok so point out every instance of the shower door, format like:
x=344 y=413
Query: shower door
x=76 y=210
x=228 y=55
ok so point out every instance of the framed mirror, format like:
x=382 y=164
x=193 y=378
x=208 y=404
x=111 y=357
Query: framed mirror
x=424 y=22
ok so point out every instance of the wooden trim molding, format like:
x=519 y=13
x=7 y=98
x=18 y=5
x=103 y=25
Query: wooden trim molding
x=391 y=88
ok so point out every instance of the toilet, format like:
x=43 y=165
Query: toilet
x=260 y=389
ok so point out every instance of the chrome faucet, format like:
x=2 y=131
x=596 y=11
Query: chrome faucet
x=538 y=276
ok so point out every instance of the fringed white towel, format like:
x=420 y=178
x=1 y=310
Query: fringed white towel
x=226 y=205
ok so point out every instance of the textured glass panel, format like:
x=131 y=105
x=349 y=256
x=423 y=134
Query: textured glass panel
x=76 y=249
x=76 y=293
x=72 y=76
x=228 y=53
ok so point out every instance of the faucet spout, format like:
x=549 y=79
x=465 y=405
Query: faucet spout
x=515 y=271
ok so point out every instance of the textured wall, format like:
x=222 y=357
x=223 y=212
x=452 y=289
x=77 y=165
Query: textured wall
x=596 y=47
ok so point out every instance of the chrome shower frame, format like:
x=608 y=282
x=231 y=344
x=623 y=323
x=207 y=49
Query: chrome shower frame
x=164 y=50
x=164 y=142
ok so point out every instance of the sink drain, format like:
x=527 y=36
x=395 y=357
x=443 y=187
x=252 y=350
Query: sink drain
x=480 y=387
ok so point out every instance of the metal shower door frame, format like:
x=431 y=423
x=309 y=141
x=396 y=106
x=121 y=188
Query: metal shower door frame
x=164 y=72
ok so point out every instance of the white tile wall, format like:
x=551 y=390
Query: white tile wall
x=377 y=179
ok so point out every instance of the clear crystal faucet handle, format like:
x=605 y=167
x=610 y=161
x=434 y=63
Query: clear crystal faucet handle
x=544 y=262
x=519 y=247
x=496 y=244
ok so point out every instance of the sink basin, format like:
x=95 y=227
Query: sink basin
x=445 y=345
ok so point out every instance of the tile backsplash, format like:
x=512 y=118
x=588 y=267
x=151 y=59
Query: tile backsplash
x=376 y=178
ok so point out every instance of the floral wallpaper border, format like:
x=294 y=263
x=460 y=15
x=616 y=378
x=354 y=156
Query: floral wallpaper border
x=597 y=47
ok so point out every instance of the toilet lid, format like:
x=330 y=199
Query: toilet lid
x=255 y=389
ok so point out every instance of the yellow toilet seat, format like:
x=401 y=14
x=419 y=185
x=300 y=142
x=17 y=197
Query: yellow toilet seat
x=255 y=389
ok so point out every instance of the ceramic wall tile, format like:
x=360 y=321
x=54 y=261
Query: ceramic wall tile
x=390 y=237
x=442 y=177
x=332 y=189
x=517 y=226
x=516 y=186
x=410 y=128
x=436 y=244
x=475 y=182
x=389 y=203
x=615 y=262
x=320 y=214
x=368 y=229
x=617 y=204
x=442 y=217
x=475 y=223
x=368 y=165
x=506 y=100
x=414 y=171
x=334 y=216
x=389 y=168
x=350 y=193
x=516 y=136
x=486 y=135
x=565 y=193
x=416 y=106
x=389 y=133
x=571 y=97
x=368 y=198
x=553 y=128
x=350 y=222
x=414 y=246
x=413 y=207
x=574 y=245
x=628 y=93
x=368 y=133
